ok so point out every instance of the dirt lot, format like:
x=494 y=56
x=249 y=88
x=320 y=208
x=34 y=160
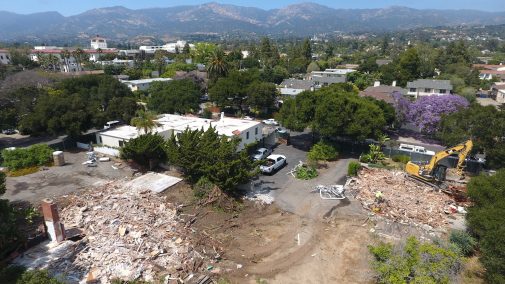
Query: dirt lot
x=57 y=181
x=265 y=243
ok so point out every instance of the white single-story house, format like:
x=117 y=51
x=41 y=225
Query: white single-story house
x=143 y=84
x=169 y=124
x=428 y=87
x=292 y=87
x=5 y=57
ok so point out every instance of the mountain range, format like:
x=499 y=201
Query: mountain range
x=120 y=23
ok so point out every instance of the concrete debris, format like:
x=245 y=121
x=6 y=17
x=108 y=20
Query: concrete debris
x=128 y=234
x=394 y=196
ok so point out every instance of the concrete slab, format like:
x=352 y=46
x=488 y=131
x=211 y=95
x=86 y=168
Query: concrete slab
x=154 y=181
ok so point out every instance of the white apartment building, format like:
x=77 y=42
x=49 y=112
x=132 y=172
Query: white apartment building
x=170 y=47
x=98 y=43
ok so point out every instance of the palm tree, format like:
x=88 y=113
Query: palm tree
x=78 y=54
x=65 y=54
x=218 y=67
x=53 y=60
x=145 y=120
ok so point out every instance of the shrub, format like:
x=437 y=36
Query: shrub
x=10 y=274
x=353 y=168
x=37 y=277
x=36 y=155
x=2 y=183
x=322 y=152
x=485 y=220
x=415 y=262
x=464 y=241
x=401 y=159
x=203 y=187
x=144 y=149
x=306 y=173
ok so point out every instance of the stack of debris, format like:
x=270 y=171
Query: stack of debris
x=127 y=234
x=393 y=195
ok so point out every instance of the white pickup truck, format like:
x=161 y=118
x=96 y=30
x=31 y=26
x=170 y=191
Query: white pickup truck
x=415 y=149
x=273 y=163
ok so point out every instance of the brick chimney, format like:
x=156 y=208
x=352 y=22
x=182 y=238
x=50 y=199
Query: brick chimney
x=55 y=229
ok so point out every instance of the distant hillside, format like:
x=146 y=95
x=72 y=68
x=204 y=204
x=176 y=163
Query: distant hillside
x=297 y=20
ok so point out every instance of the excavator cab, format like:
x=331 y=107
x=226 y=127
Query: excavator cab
x=439 y=173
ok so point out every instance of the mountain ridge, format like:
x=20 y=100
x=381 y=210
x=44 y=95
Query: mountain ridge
x=303 y=19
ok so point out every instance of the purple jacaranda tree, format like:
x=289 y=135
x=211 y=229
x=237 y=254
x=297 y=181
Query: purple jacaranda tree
x=426 y=112
x=402 y=106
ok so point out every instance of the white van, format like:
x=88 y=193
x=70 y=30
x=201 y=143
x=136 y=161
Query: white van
x=415 y=149
x=111 y=124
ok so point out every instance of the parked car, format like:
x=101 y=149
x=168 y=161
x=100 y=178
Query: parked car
x=248 y=117
x=270 y=121
x=261 y=154
x=111 y=124
x=274 y=163
x=415 y=149
x=281 y=130
x=8 y=131
x=475 y=159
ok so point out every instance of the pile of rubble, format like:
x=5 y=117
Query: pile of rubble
x=393 y=195
x=127 y=234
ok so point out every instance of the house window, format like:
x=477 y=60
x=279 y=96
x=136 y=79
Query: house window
x=247 y=135
x=1 y=57
x=427 y=90
x=256 y=131
x=412 y=90
x=442 y=91
x=121 y=143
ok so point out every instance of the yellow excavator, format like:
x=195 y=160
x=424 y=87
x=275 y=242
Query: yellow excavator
x=433 y=173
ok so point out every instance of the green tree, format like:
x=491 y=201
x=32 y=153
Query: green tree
x=261 y=96
x=313 y=66
x=484 y=125
x=409 y=66
x=146 y=150
x=145 y=121
x=485 y=220
x=203 y=52
x=306 y=49
x=206 y=154
x=177 y=96
x=37 y=277
x=186 y=49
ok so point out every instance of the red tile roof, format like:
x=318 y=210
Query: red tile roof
x=4 y=51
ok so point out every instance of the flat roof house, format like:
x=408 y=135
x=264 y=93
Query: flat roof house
x=169 y=124
x=428 y=87
x=143 y=84
x=329 y=76
x=292 y=87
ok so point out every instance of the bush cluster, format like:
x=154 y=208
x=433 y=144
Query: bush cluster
x=415 y=262
x=353 y=168
x=401 y=159
x=306 y=173
x=20 y=158
x=464 y=241
x=322 y=151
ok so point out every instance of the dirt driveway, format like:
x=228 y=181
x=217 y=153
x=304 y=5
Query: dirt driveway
x=57 y=181
x=300 y=238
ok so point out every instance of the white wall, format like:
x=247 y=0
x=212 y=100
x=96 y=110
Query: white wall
x=5 y=58
x=254 y=136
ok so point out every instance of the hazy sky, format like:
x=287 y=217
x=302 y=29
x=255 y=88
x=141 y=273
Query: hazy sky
x=72 y=7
